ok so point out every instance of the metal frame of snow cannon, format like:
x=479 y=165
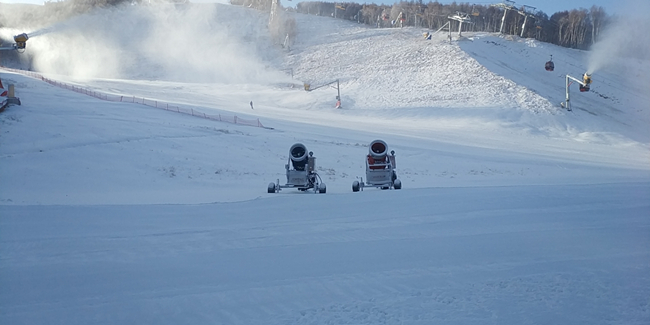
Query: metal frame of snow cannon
x=585 y=85
x=301 y=172
x=380 y=168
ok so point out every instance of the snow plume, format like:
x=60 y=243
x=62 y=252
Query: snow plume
x=163 y=42
x=626 y=37
x=88 y=47
x=197 y=45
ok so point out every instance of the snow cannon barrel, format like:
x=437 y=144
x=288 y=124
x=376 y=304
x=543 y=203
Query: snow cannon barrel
x=378 y=150
x=298 y=156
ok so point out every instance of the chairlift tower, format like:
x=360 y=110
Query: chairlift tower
x=526 y=12
x=505 y=5
x=274 y=12
x=460 y=17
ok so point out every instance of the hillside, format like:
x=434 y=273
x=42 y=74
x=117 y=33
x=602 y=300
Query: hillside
x=512 y=211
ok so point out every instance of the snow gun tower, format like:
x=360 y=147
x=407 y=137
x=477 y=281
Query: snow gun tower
x=301 y=172
x=380 y=168
x=584 y=87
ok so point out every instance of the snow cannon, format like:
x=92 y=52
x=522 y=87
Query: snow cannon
x=301 y=172
x=380 y=168
x=21 y=41
x=586 y=81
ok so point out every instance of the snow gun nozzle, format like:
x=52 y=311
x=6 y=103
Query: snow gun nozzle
x=586 y=79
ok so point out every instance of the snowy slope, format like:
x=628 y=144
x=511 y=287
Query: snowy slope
x=513 y=210
x=617 y=96
x=494 y=255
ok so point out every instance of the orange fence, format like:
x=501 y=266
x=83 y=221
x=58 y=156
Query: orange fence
x=148 y=102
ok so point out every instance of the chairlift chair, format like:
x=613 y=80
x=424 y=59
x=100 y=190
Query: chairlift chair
x=549 y=66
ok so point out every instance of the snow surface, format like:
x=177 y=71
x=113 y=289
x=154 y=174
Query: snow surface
x=513 y=210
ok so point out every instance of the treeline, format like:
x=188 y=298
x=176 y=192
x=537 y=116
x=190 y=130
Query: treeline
x=578 y=28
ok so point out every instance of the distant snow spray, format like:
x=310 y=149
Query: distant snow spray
x=624 y=37
x=40 y=32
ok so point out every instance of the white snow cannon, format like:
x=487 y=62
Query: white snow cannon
x=380 y=168
x=301 y=172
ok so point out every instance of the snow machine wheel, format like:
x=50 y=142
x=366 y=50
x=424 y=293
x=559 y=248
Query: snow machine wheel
x=397 y=184
x=322 y=188
x=355 y=186
x=271 y=188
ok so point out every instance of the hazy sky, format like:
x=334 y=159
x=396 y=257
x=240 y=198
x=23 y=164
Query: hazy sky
x=547 y=6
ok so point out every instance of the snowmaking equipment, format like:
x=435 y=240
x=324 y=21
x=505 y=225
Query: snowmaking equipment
x=301 y=172
x=380 y=168
x=20 y=43
x=585 y=85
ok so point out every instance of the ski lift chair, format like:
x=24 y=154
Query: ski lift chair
x=550 y=66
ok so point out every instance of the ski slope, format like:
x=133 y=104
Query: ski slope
x=513 y=210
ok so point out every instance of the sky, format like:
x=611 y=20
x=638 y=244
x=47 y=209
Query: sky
x=548 y=6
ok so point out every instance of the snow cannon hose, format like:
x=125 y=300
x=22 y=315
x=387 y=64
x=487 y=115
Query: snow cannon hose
x=378 y=150
x=298 y=155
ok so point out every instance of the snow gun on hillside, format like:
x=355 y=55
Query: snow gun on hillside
x=585 y=85
x=586 y=81
x=301 y=172
x=20 y=42
x=380 y=168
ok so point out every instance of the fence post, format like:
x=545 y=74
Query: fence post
x=235 y=119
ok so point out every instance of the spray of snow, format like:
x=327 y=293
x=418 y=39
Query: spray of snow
x=163 y=42
x=626 y=37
